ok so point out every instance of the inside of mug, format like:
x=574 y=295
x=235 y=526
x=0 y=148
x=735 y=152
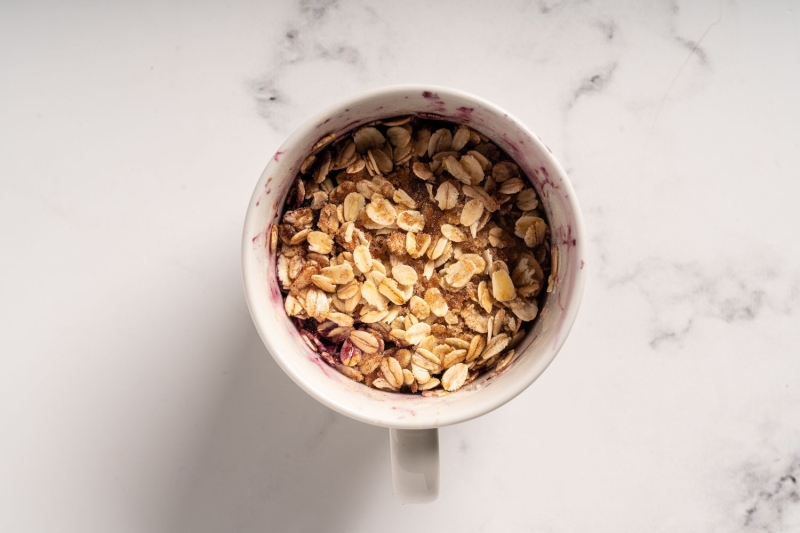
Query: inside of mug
x=489 y=390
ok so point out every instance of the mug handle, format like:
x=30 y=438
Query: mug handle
x=415 y=464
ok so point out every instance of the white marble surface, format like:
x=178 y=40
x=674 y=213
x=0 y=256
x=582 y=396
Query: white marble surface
x=135 y=395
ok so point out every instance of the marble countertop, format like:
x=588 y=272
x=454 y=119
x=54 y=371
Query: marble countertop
x=136 y=396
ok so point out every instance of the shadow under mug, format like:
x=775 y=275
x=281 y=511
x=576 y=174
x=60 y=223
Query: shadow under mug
x=413 y=420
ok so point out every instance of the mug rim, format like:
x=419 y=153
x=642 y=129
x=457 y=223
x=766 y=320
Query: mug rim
x=478 y=408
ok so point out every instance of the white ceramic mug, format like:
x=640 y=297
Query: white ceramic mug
x=413 y=420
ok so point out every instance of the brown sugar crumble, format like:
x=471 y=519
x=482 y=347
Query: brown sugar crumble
x=413 y=255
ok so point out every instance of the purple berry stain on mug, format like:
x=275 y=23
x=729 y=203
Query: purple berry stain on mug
x=565 y=235
x=277 y=155
x=406 y=410
x=436 y=104
x=267 y=191
x=512 y=147
x=464 y=114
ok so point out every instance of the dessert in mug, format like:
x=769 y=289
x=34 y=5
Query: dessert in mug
x=413 y=255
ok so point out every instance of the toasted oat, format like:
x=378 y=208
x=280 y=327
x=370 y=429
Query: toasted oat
x=485 y=297
x=389 y=288
x=456 y=170
x=410 y=220
x=447 y=196
x=351 y=373
x=416 y=333
x=421 y=139
x=480 y=158
x=356 y=166
x=381 y=211
x=381 y=383
x=362 y=258
x=319 y=200
x=399 y=136
x=459 y=273
x=479 y=193
x=349 y=290
x=455 y=376
x=460 y=138
x=511 y=186
x=353 y=205
x=525 y=310
x=307 y=163
x=339 y=274
x=319 y=242
x=526 y=200
x=367 y=138
x=522 y=225
x=341 y=319
x=422 y=171
x=293 y=306
x=380 y=162
x=453 y=233
x=551 y=281
x=426 y=359
x=472 y=167
x=453 y=357
x=428 y=385
x=505 y=361
x=404 y=274
x=420 y=374
x=365 y=341
x=502 y=287
x=350 y=355
x=323 y=283
x=496 y=238
x=401 y=197
x=536 y=232
x=370 y=315
x=300 y=236
x=438 y=249
x=495 y=346
x=504 y=170
x=403 y=155
x=421 y=244
x=403 y=357
x=322 y=168
x=499 y=319
x=476 y=347
x=474 y=320
x=434 y=299
x=317 y=304
x=273 y=239
x=428 y=269
x=441 y=141
x=392 y=372
x=472 y=212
